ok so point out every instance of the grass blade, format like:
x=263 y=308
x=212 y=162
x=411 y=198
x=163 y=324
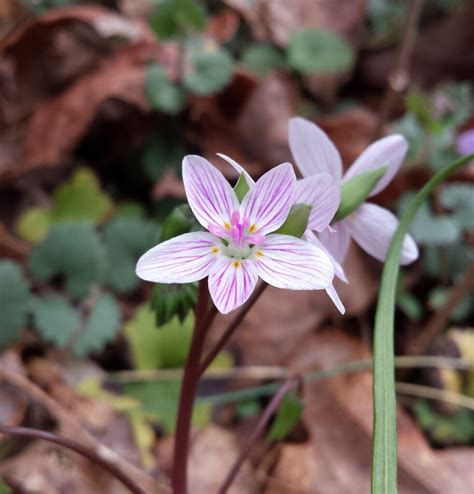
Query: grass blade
x=384 y=452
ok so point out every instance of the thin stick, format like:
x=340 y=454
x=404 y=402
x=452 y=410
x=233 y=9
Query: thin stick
x=439 y=320
x=78 y=448
x=188 y=393
x=68 y=422
x=399 y=78
x=234 y=324
x=259 y=429
x=433 y=393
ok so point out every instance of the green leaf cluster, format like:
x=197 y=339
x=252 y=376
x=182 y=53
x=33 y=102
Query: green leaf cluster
x=125 y=239
x=431 y=121
x=72 y=251
x=176 y=18
x=443 y=429
x=79 y=198
x=262 y=58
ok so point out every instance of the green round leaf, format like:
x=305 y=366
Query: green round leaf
x=316 y=51
x=72 y=251
x=160 y=91
x=81 y=198
x=210 y=72
x=101 y=327
x=125 y=240
x=262 y=58
x=55 y=319
x=14 y=301
x=34 y=224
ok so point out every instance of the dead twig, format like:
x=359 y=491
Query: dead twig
x=399 y=77
x=70 y=426
x=438 y=321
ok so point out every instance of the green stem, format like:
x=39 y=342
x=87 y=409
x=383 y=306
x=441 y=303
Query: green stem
x=384 y=452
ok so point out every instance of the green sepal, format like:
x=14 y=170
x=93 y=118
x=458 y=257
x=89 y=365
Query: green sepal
x=356 y=190
x=241 y=187
x=297 y=221
x=180 y=220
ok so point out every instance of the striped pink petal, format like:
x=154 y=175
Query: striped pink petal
x=267 y=204
x=389 y=151
x=338 y=269
x=312 y=149
x=292 y=263
x=321 y=192
x=337 y=241
x=334 y=296
x=210 y=196
x=182 y=259
x=238 y=168
x=373 y=227
x=231 y=283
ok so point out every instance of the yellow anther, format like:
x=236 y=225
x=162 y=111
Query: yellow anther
x=259 y=253
x=227 y=225
x=236 y=264
x=252 y=228
x=215 y=250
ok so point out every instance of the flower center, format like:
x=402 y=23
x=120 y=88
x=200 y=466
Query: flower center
x=239 y=236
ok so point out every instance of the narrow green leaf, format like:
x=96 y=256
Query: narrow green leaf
x=286 y=418
x=241 y=187
x=356 y=190
x=297 y=221
x=384 y=453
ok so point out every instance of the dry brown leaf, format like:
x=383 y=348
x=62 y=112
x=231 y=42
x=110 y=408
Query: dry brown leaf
x=50 y=96
x=247 y=121
x=223 y=26
x=47 y=468
x=338 y=417
x=432 y=60
x=276 y=20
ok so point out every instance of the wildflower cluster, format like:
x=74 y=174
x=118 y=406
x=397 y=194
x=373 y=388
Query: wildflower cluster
x=243 y=243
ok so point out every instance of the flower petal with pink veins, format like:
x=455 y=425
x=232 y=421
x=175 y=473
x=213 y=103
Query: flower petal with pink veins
x=389 y=151
x=373 y=227
x=312 y=149
x=210 y=196
x=238 y=168
x=182 y=259
x=337 y=241
x=288 y=262
x=231 y=283
x=322 y=193
x=268 y=202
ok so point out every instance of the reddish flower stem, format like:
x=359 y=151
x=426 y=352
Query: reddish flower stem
x=78 y=448
x=188 y=391
x=234 y=324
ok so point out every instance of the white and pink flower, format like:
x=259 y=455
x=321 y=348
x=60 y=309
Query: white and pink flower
x=239 y=246
x=371 y=226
